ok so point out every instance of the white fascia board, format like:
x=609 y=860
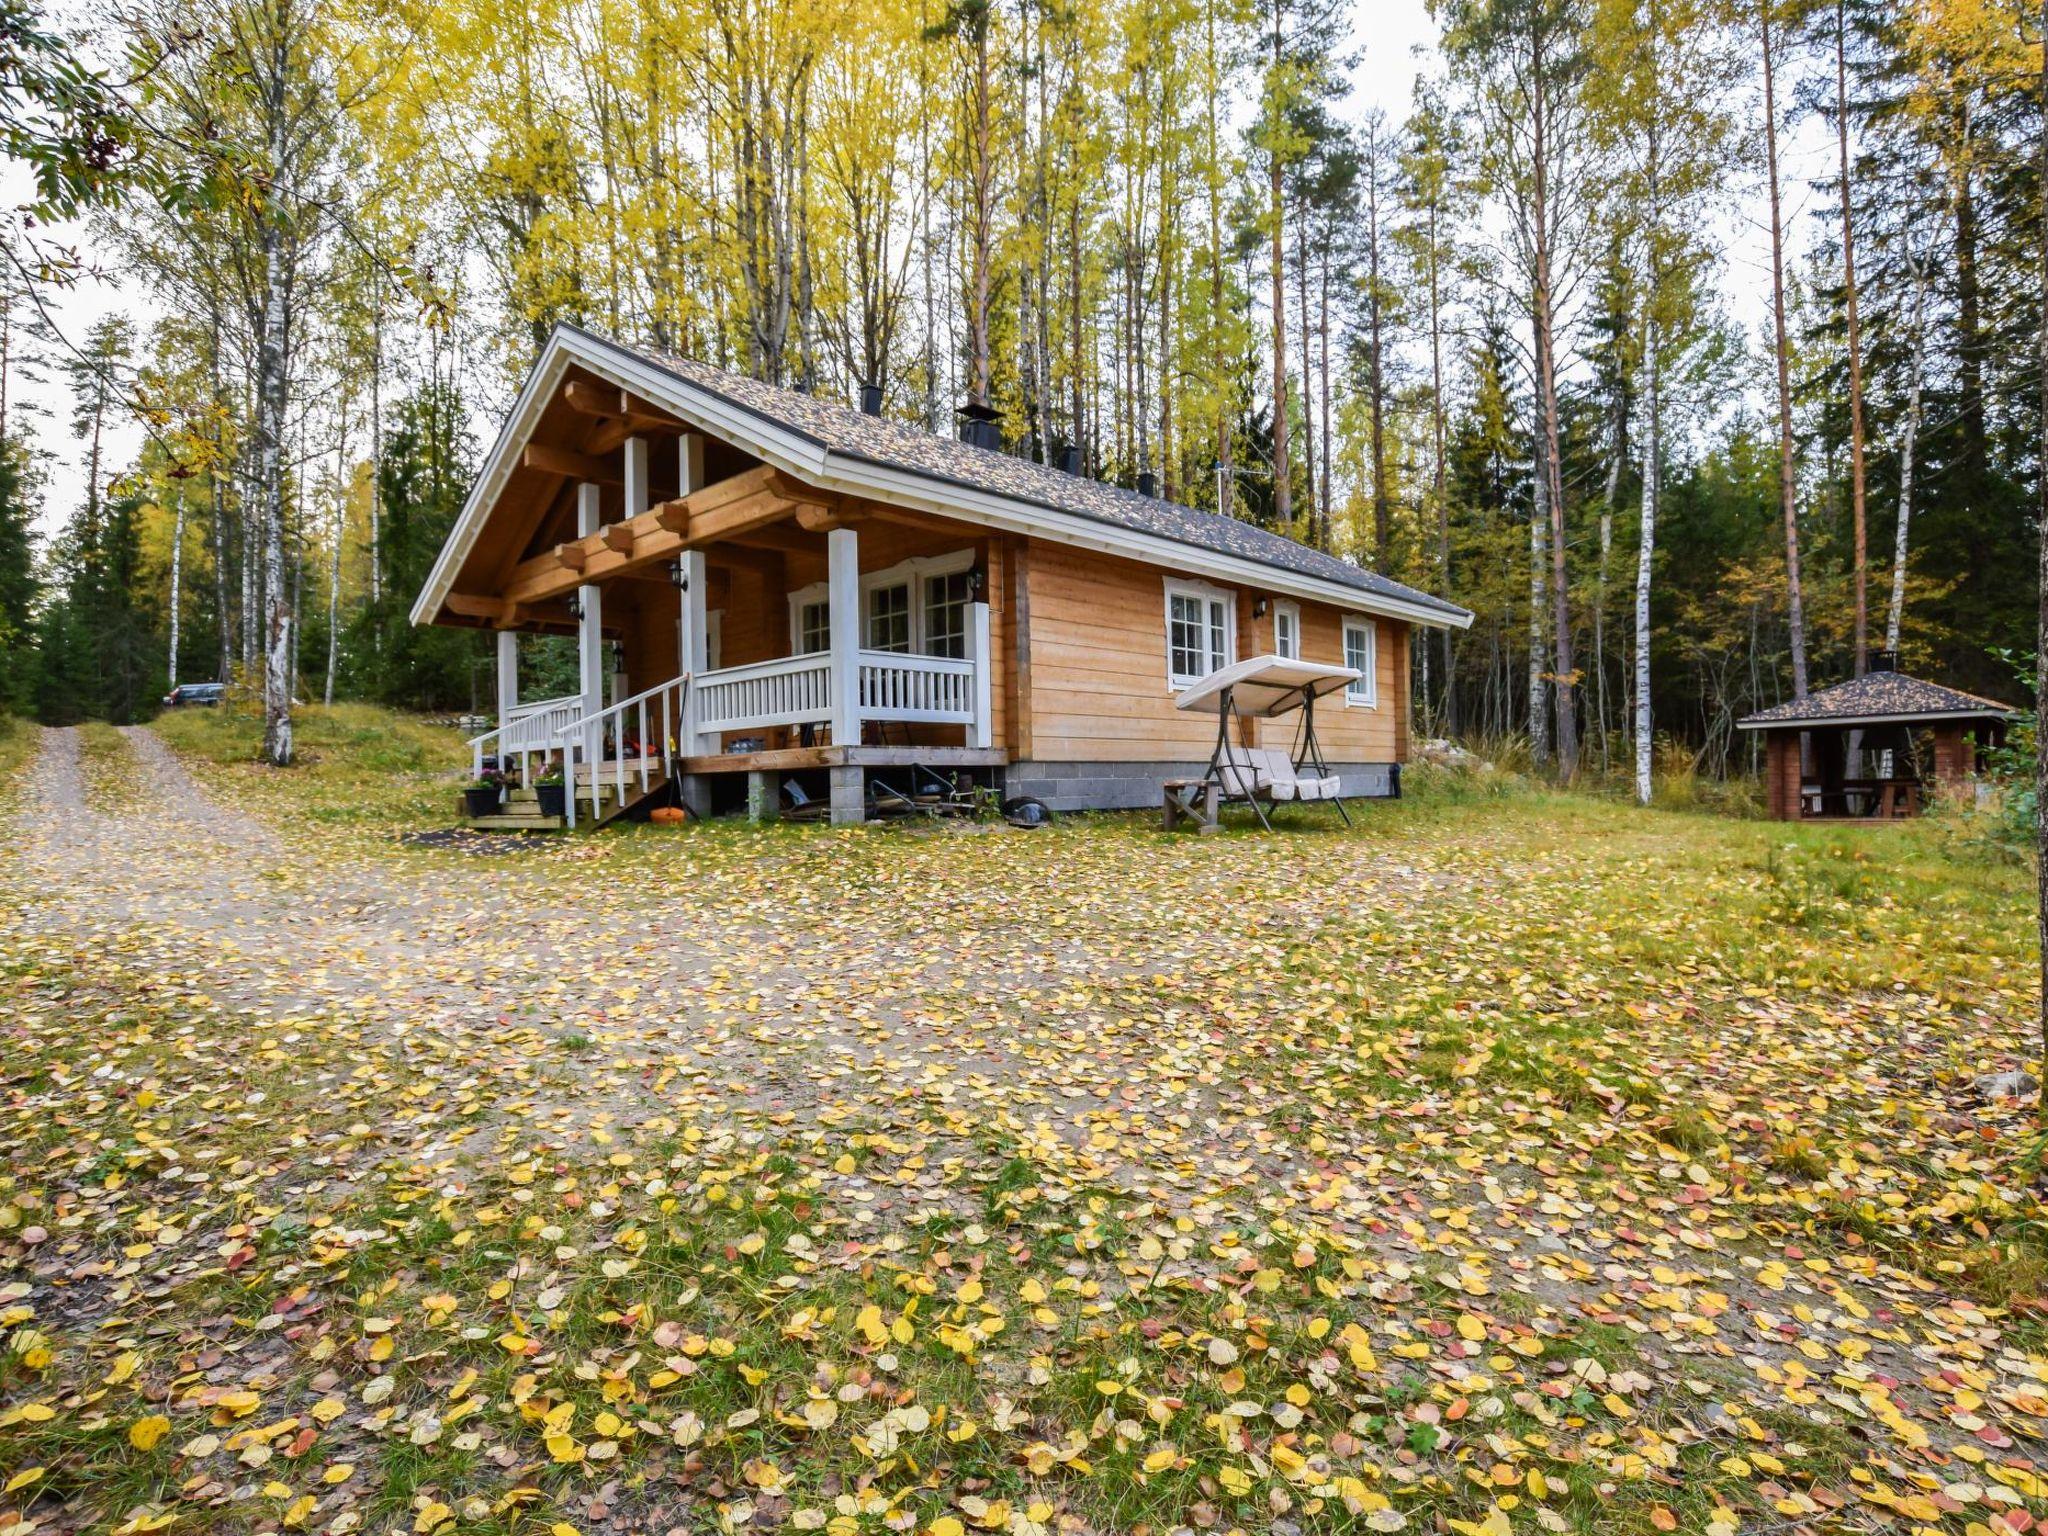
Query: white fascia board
x=809 y=460
x=1808 y=722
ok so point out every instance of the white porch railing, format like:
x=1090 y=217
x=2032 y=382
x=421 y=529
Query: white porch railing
x=797 y=690
x=652 y=717
x=790 y=690
x=930 y=688
x=531 y=728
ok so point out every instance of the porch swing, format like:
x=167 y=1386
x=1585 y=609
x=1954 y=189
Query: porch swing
x=1260 y=688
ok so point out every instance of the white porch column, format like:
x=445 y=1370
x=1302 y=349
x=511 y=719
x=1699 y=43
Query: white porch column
x=693 y=624
x=508 y=675
x=981 y=732
x=589 y=631
x=842 y=584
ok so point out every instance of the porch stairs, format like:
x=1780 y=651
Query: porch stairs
x=521 y=813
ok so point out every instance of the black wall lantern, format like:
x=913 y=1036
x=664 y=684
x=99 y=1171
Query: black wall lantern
x=576 y=605
x=977 y=582
x=679 y=573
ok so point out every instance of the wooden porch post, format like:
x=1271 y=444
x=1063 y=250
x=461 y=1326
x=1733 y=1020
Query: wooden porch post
x=589 y=633
x=980 y=733
x=842 y=561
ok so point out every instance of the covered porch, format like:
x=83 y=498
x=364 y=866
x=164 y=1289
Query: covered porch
x=728 y=620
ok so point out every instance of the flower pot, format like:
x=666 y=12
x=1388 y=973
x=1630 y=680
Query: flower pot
x=554 y=799
x=481 y=802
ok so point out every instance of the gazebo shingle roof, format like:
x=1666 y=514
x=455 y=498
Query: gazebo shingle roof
x=1878 y=696
x=843 y=430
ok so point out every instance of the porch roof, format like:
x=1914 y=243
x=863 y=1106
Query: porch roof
x=835 y=447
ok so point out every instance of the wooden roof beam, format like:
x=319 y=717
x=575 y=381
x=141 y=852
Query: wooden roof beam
x=577 y=466
x=728 y=507
x=500 y=613
x=587 y=399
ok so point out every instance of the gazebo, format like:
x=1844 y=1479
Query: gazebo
x=1899 y=734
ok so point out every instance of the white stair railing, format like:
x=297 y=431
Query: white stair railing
x=663 y=708
x=531 y=728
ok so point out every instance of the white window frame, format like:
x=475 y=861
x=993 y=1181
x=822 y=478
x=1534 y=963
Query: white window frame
x=1291 y=612
x=912 y=571
x=1204 y=593
x=1364 y=692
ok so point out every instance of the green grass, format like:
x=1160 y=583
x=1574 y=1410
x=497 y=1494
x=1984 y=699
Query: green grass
x=357 y=768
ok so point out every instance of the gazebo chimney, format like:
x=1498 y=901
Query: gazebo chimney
x=1884 y=661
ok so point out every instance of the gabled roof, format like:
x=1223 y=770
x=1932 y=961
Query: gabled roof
x=1878 y=698
x=834 y=446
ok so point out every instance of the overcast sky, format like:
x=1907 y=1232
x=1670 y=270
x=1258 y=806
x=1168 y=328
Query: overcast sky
x=1394 y=38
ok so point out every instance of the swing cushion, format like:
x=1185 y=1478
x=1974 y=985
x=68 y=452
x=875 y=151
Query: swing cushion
x=1270 y=772
x=1282 y=781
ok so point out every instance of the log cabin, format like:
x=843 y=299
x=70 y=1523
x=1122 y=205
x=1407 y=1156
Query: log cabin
x=765 y=584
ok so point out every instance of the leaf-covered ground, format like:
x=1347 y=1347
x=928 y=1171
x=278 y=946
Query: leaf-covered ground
x=1509 y=1163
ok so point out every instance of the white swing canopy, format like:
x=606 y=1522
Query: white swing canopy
x=1264 y=686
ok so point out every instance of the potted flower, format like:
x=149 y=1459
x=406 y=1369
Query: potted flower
x=552 y=793
x=482 y=797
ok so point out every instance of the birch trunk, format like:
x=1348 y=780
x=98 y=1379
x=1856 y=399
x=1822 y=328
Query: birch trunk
x=270 y=421
x=1646 y=549
x=177 y=579
x=1908 y=444
x=1855 y=339
x=1563 y=683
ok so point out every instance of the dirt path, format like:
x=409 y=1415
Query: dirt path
x=182 y=887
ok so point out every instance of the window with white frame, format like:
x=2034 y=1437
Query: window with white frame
x=946 y=599
x=1287 y=631
x=889 y=617
x=1361 y=652
x=813 y=625
x=1201 y=625
x=917 y=605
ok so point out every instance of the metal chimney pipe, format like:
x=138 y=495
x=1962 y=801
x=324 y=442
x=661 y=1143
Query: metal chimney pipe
x=1148 y=483
x=871 y=399
x=1070 y=458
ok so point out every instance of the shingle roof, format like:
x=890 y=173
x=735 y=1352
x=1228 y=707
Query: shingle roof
x=1877 y=696
x=841 y=429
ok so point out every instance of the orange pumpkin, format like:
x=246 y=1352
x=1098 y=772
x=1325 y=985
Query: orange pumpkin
x=667 y=815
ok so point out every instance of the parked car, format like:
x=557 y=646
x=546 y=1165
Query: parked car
x=195 y=693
